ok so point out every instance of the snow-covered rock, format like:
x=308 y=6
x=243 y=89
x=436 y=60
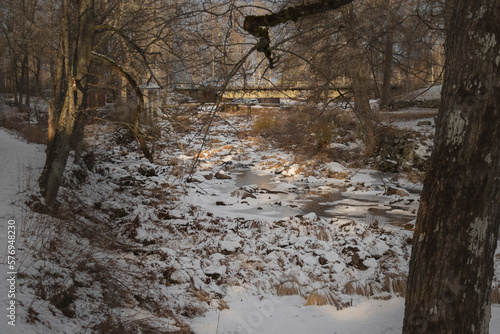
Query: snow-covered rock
x=377 y=248
x=370 y=263
x=229 y=246
x=291 y=171
x=312 y=179
x=310 y=216
x=332 y=256
x=179 y=277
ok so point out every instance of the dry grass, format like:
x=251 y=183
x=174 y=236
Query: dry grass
x=369 y=289
x=288 y=288
x=396 y=284
x=325 y=297
x=308 y=132
x=354 y=288
x=322 y=234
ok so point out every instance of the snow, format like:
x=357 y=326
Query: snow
x=270 y=315
x=432 y=93
x=229 y=246
x=208 y=245
x=426 y=94
x=20 y=163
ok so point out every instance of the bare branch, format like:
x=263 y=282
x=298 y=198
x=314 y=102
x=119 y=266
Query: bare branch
x=254 y=24
x=140 y=100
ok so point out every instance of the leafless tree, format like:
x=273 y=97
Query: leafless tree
x=93 y=32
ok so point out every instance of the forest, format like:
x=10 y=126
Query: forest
x=233 y=166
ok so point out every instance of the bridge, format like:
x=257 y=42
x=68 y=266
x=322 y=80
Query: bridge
x=263 y=94
x=278 y=93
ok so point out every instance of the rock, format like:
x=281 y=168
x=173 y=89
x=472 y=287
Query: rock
x=396 y=191
x=127 y=181
x=378 y=248
x=195 y=179
x=312 y=179
x=248 y=195
x=227 y=247
x=179 y=277
x=357 y=262
x=370 y=263
x=310 y=216
x=338 y=267
x=215 y=272
x=221 y=175
x=146 y=170
x=291 y=171
x=243 y=194
x=332 y=257
x=286 y=187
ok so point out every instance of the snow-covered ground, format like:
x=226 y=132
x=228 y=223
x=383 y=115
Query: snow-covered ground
x=20 y=162
x=214 y=249
x=289 y=315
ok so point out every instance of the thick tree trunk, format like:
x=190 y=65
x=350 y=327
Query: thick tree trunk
x=58 y=91
x=451 y=266
x=68 y=122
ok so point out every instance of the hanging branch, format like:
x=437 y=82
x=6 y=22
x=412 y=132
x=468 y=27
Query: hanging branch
x=255 y=24
x=140 y=103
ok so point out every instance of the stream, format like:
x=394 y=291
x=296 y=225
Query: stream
x=281 y=197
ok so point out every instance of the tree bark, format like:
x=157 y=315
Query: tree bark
x=76 y=61
x=58 y=91
x=456 y=233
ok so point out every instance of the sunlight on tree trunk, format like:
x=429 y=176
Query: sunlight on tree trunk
x=451 y=266
x=76 y=62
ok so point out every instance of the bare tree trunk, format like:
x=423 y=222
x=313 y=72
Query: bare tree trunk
x=70 y=117
x=58 y=91
x=136 y=131
x=27 y=83
x=359 y=73
x=22 y=87
x=386 y=82
x=451 y=266
x=14 y=83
